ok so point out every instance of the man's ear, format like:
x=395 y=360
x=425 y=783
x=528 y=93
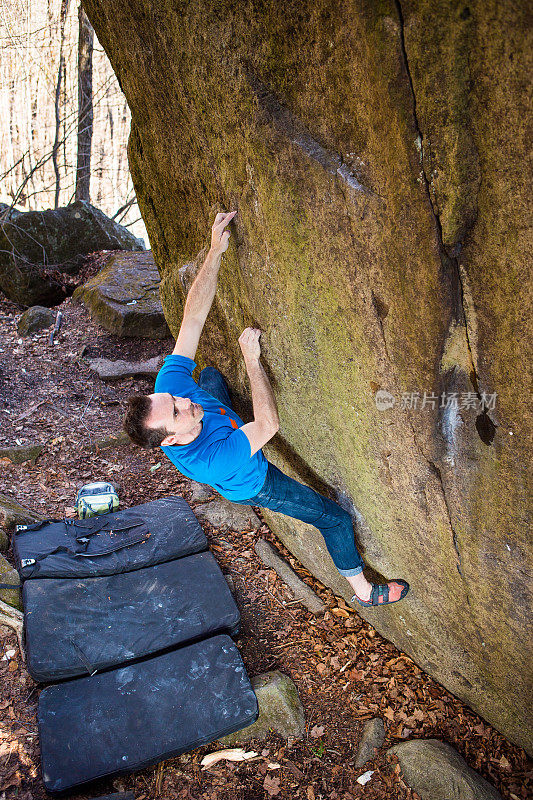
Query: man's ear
x=170 y=440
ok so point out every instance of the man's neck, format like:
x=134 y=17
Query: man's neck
x=190 y=437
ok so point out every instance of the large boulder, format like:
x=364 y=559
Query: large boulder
x=376 y=154
x=124 y=296
x=36 y=245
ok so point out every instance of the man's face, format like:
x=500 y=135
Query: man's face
x=178 y=415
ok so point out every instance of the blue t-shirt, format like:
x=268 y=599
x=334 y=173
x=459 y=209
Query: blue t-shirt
x=221 y=455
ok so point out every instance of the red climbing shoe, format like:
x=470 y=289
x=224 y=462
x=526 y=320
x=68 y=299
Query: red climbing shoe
x=380 y=594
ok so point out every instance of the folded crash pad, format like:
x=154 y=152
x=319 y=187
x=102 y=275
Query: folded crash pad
x=129 y=718
x=77 y=626
x=108 y=544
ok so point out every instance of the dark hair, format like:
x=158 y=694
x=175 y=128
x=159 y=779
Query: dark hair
x=139 y=406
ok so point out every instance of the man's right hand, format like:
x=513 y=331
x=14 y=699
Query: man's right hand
x=249 y=344
x=219 y=236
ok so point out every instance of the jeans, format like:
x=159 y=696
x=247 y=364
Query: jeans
x=284 y=494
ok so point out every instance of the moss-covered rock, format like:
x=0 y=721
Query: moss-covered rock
x=34 y=244
x=124 y=296
x=13 y=513
x=18 y=454
x=35 y=319
x=280 y=710
x=9 y=575
x=375 y=152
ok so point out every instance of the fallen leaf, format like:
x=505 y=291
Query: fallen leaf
x=310 y=793
x=365 y=777
x=271 y=785
x=237 y=754
x=316 y=731
x=340 y=612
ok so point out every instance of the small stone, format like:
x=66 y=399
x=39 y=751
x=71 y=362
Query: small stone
x=436 y=771
x=115 y=370
x=18 y=454
x=221 y=513
x=371 y=740
x=35 y=319
x=201 y=491
x=280 y=710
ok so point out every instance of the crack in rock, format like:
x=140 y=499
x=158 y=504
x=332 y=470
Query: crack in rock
x=485 y=427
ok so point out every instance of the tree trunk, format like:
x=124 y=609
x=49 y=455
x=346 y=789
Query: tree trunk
x=60 y=71
x=85 y=106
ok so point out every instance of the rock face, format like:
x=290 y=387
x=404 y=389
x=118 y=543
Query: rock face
x=375 y=152
x=437 y=772
x=34 y=244
x=124 y=297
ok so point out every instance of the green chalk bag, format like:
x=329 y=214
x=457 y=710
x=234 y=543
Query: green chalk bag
x=96 y=498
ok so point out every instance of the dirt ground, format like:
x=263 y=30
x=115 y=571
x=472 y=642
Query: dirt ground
x=344 y=671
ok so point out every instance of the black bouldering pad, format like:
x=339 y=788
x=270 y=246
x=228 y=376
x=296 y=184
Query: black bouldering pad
x=125 y=540
x=77 y=626
x=129 y=718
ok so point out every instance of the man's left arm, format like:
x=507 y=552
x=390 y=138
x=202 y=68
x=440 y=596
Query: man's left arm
x=202 y=292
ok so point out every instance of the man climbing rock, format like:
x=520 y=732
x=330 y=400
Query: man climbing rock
x=197 y=428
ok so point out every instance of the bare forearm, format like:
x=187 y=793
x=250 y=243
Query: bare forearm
x=263 y=400
x=202 y=292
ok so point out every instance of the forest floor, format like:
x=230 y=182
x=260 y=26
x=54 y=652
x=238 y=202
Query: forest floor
x=344 y=670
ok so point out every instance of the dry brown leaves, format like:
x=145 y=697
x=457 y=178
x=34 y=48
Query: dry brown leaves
x=345 y=672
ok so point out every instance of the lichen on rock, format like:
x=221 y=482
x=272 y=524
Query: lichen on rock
x=414 y=283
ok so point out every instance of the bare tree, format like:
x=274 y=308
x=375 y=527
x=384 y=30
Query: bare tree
x=85 y=105
x=40 y=120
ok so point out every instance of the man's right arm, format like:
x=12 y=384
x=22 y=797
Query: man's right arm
x=266 y=421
